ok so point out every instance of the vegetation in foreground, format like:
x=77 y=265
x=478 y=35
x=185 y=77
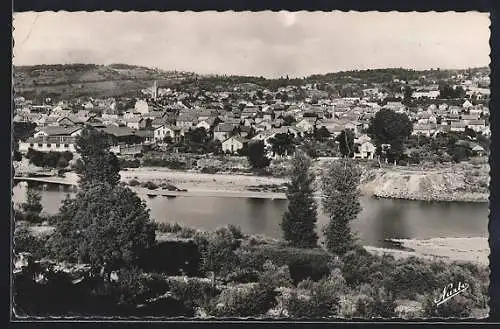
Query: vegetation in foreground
x=104 y=259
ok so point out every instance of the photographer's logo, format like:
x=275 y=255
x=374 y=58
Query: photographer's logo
x=451 y=291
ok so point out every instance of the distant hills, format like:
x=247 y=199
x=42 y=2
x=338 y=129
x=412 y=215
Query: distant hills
x=123 y=80
x=75 y=80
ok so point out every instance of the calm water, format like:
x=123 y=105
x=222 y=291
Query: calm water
x=380 y=219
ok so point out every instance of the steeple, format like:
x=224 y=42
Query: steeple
x=155 y=90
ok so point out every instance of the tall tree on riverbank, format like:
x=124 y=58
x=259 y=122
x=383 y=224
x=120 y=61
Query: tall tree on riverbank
x=256 y=154
x=97 y=164
x=299 y=221
x=106 y=225
x=340 y=188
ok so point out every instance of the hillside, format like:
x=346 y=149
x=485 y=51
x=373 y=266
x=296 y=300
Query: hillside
x=76 y=80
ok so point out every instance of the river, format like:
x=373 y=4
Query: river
x=380 y=219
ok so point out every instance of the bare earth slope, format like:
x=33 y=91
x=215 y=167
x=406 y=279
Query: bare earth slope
x=456 y=183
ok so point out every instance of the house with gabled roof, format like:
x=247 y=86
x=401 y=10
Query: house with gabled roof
x=166 y=130
x=233 y=144
x=223 y=131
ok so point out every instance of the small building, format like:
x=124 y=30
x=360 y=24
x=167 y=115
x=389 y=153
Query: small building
x=478 y=150
x=136 y=123
x=48 y=144
x=306 y=124
x=223 y=131
x=233 y=144
x=365 y=150
x=457 y=126
x=166 y=131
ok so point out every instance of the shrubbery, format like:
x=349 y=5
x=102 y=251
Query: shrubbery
x=169 y=163
x=125 y=163
x=49 y=159
x=302 y=263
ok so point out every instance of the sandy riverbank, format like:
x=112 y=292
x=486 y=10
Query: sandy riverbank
x=198 y=182
x=456 y=183
x=474 y=250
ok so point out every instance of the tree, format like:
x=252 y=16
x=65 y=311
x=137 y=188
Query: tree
x=107 y=226
x=256 y=154
x=389 y=127
x=407 y=92
x=299 y=221
x=321 y=134
x=96 y=164
x=346 y=143
x=33 y=206
x=340 y=187
x=282 y=144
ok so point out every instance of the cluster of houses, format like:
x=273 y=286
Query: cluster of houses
x=244 y=121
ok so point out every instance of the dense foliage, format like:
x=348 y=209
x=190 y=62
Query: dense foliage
x=340 y=188
x=49 y=159
x=299 y=220
x=96 y=164
x=103 y=225
x=390 y=128
x=256 y=154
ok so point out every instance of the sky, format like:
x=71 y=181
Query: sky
x=269 y=44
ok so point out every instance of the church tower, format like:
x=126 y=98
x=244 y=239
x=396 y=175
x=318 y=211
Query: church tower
x=155 y=90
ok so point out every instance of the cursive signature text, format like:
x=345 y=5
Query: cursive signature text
x=451 y=291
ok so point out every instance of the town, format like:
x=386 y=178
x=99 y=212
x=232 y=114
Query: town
x=350 y=139
x=223 y=114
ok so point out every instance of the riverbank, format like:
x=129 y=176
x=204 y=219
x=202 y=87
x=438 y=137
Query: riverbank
x=452 y=183
x=457 y=183
x=470 y=250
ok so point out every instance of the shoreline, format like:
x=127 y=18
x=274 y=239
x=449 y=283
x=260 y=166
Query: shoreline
x=470 y=250
x=252 y=186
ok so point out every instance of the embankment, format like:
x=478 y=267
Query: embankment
x=456 y=183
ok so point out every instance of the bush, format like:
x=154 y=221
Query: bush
x=49 y=159
x=218 y=251
x=243 y=302
x=242 y=276
x=159 y=162
x=150 y=185
x=169 y=228
x=302 y=263
x=209 y=170
x=193 y=292
x=134 y=182
x=124 y=163
x=321 y=301
x=456 y=307
x=24 y=241
x=275 y=276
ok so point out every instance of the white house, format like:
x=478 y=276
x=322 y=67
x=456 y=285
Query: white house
x=232 y=144
x=135 y=123
x=48 y=143
x=306 y=124
x=141 y=106
x=165 y=130
x=366 y=150
x=223 y=131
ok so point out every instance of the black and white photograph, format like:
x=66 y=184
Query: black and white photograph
x=250 y=165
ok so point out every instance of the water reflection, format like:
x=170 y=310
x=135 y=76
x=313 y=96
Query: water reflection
x=380 y=219
x=258 y=214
